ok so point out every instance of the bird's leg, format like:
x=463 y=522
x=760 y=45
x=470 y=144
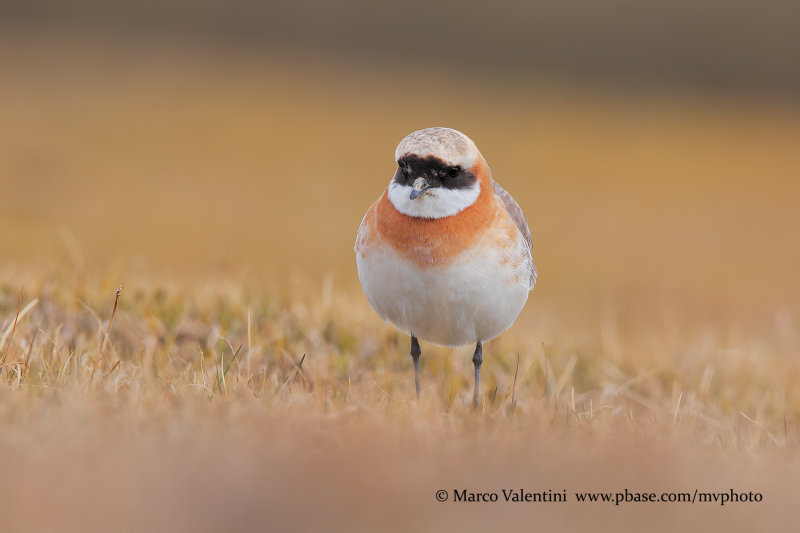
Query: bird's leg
x=415 y=353
x=477 y=360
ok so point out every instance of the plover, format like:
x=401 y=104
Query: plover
x=445 y=253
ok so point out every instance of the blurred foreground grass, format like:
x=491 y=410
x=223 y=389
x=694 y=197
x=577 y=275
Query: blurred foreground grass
x=232 y=406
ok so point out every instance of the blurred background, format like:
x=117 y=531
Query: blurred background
x=653 y=147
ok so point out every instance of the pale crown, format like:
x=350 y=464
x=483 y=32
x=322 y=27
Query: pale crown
x=448 y=145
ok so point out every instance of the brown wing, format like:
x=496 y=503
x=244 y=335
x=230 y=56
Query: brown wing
x=515 y=212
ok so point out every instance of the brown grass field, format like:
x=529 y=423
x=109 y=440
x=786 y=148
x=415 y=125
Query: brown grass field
x=245 y=383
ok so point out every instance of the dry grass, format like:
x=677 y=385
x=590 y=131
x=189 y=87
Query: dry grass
x=231 y=406
x=658 y=353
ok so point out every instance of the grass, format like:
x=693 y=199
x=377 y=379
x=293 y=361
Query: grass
x=235 y=396
x=727 y=390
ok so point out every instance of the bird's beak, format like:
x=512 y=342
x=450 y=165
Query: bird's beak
x=419 y=188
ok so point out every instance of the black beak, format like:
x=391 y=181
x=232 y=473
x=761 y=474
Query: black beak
x=419 y=188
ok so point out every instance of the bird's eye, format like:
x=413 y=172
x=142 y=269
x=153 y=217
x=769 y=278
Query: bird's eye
x=452 y=172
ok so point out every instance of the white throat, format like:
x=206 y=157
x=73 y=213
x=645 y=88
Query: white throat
x=438 y=202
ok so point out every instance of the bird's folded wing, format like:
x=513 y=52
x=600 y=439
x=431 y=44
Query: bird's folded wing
x=515 y=212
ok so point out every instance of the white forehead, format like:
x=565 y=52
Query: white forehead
x=451 y=146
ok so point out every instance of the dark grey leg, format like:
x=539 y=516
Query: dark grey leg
x=415 y=353
x=477 y=360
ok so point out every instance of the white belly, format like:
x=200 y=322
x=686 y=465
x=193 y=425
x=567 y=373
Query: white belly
x=475 y=297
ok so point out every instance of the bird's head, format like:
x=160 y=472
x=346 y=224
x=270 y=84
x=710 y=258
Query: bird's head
x=438 y=173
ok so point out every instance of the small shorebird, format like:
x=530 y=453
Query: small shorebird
x=445 y=253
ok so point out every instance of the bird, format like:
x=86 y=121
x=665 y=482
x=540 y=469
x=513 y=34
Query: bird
x=445 y=253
